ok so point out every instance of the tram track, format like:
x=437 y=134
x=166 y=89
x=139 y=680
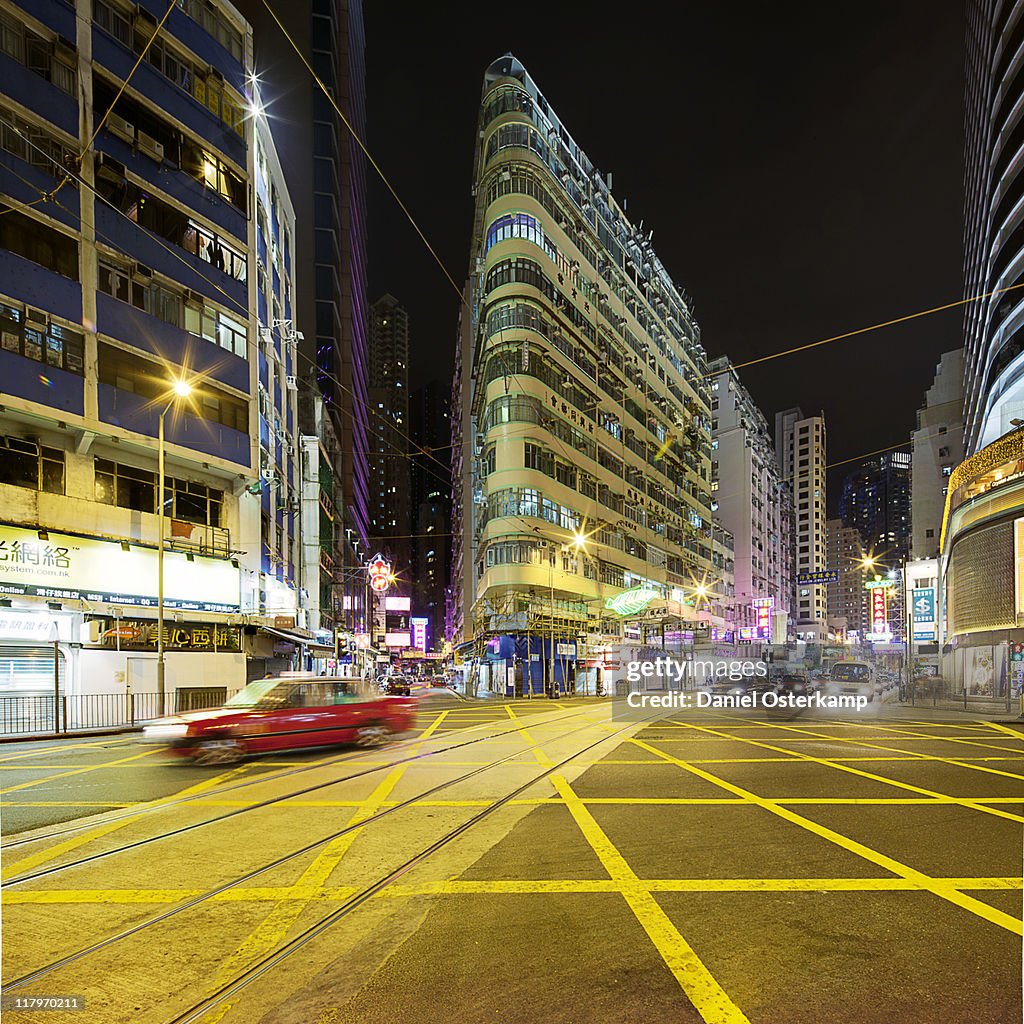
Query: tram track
x=271 y=960
x=155 y=807
x=367 y=892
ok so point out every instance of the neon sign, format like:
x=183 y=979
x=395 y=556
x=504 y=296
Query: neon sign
x=629 y=602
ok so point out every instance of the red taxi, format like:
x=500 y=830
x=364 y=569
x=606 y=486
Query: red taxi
x=284 y=713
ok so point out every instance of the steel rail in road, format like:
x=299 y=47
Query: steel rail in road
x=284 y=859
x=234 y=787
x=271 y=960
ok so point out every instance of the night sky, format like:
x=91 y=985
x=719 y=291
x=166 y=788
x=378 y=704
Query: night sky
x=800 y=164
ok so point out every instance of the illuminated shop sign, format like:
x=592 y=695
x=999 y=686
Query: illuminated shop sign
x=141 y=634
x=419 y=633
x=379 y=571
x=68 y=567
x=629 y=602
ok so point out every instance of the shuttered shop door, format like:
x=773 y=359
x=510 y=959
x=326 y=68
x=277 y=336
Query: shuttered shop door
x=27 y=669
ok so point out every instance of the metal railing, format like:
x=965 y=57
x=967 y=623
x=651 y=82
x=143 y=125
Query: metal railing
x=40 y=714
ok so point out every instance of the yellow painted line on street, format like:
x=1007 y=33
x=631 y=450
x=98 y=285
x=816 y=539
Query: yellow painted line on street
x=1015 y=733
x=497 y=887
x=66 y=746
x=70 y=803
x=945 y=892
x=274 y=928
x=539 y=756
x=978 y=741
x=707 y=996
x=840 y=766
x=43 y=856
x=958 y=763
x=77 y=771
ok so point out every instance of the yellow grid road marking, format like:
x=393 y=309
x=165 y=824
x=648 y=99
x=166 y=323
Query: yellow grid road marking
x=273 y=929
x=805 y=731
x=34 y=860
x=839 y=766
x=66 y=746
x=487 y=887
x=945 y=892
x=707 y=996
x=76 y=771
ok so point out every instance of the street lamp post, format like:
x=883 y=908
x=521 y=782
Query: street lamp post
x=180 y=389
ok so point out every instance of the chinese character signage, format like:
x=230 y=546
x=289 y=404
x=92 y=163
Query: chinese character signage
x=141 y=635
x=879 y=611
x=419 y=633
x=815 y=578
x=69 y=567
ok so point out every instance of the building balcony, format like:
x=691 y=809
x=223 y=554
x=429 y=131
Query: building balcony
x=173 y=345
x=140 y=415
x=165 y=95
x=44 y=385
x=35 y=93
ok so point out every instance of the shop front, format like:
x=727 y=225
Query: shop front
x=101 y=597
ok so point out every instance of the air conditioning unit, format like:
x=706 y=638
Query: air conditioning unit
x=267 y=474
x=153 y=149
x=292 y=382
x=141 y=270
x=109 y=169
x=118 y=126
x=36 y=317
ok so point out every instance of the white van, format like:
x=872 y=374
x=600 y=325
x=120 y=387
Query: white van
x=852 y=677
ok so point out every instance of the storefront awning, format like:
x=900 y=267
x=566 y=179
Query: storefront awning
x=299 y=639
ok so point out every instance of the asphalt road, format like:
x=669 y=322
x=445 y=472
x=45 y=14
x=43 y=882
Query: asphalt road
x=718 y=867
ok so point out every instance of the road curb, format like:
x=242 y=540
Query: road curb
x=37 y=736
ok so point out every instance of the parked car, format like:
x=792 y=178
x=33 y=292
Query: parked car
x=284 y=713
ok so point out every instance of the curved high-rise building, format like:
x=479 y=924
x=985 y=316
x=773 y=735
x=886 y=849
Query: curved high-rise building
x=581 y=405
x=981 y=613
x=994 y=213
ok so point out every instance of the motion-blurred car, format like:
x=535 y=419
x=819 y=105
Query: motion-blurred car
x=284 y=713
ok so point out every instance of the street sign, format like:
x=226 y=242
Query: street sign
x=1016 y=652
x=814 y=578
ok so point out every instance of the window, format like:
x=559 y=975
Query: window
x=52 y=344
x=36 y=241
x=129 y=372
x=929 y=534
x=28 y=464
x=39 y=55
x=34 y=145
x=125 y=486
x=515 y=225
x=487 y=462
x=194 y=503
x=535 y=457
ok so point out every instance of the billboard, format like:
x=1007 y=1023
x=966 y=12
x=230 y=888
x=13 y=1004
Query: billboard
x=923 y=605
x=419 y=633
x=396 y=604
x=69 y=567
